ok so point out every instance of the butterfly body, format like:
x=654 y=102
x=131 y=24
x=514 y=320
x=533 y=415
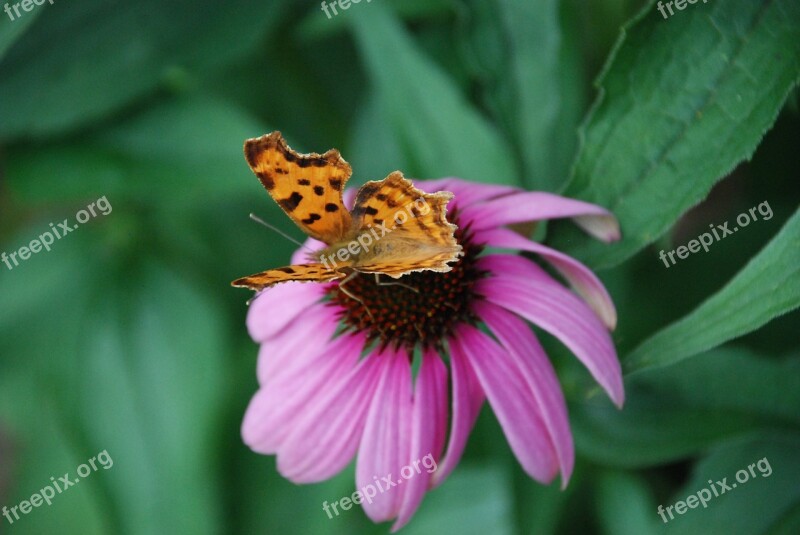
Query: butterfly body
x=393 y=228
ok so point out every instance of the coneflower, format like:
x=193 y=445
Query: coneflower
x=335 y=373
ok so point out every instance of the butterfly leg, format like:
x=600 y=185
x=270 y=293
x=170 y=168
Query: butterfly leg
x=379 y=283
x=354 y=297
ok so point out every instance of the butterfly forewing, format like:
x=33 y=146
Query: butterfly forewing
x=308 y=187
x=300 y=272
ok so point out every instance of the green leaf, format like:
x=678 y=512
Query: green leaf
x=674 y=412
x=182 y=151
x=682 y=101
x=138 y=373
x=30 y=413
x=474 y=499
x=624 y=504
x=755 y=503
x=12 y=30
x=152 y=379
x=439 y=132
x=318 y=25
x=767 y=287
x=530 y=66
x=80 y=63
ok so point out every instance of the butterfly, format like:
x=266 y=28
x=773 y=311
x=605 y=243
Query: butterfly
x=393 y=228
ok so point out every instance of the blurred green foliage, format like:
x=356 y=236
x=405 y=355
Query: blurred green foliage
x=126 y=336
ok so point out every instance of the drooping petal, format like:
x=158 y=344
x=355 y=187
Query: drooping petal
x=534 y=366
x=466 y=193
x=527 y=206
x=513 y=267
x=468 y=397
x=326 y=432
x=275 y=308
x=428 y=426
x=512 y=402
x=559 y=312
x=386 y=441
x=582 y=279
x=272 y=414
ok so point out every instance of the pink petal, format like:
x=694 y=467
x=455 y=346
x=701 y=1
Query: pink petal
x=514 y=266
x=529 y=206
x=273 y=411
x=468 y=398
x=512 y=402
x=582 y=279
x=326 y=432
x=385 y=444
x=428 y=426
x=300 y=341
x=466 y=192
x=275 y=308
x=534 y=366
x=556 y=310
x=305 y=253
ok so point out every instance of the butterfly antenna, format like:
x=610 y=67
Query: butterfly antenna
x=257 y=219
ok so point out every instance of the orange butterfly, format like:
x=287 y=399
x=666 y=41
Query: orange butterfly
x=393 y=229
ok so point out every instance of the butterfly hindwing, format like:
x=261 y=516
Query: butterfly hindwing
x=308 y=187
x=418 y=235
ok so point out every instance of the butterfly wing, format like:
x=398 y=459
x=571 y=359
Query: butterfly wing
x=301 y=272
x=308 y=187
x=418 y=236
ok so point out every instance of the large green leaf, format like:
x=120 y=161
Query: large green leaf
x=760 y=500
x=674 y=412
x=152 y=378
x=81 y=62
x=438 y=131
x=768 y=286
x=138 y=372
x=682 y=101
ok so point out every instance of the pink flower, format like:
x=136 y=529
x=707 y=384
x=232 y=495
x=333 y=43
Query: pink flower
x=336 y=379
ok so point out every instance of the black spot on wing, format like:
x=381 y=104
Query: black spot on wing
x=304 y=182
x=330 y=207
x=292 y=202
x=311 y=218
x=319 y=190
x=266 y=179
x=368 y=190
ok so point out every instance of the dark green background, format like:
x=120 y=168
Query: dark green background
x=126 y=336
